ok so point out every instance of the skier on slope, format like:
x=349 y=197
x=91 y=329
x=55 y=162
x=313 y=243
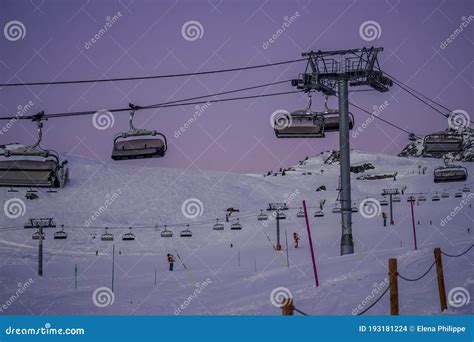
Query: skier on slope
x=170 y=261
x=296 y=238
x=384 y=216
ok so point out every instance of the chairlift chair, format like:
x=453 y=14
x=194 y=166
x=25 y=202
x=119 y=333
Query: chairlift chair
x=396 y=199
x=138 y=143
x=458 y=194
x=422 y=198
x=300 y=213
x=186 y=232
x=466 y=189
x=281 y=216
x=12 y=190
x=33 y=166
x=445 y=194
x=384 y=202
x=128 y=236
x=319 y=213
x=450 y=173
x=300 y=124
x=435 y=198
x=218 y=226
x=336 y=209
x=166 y=233
x=331 y=118
x=442 y=143
x=107 y=236
x=36 y=235
x=61 y=234
x=354 y=209
x=262 y=216
x=236 y=225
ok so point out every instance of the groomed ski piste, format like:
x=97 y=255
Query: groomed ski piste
x=233 y=272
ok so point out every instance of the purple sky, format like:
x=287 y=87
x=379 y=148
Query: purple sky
x=147 y=40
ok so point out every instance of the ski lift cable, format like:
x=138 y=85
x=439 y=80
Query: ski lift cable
x=136 y=78
x=163 y=105
x=418 y=96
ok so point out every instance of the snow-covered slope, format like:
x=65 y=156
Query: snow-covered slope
x=235 y=271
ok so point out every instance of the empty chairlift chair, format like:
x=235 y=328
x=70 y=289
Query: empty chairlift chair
x=336 y=209
x=450 y=173
x=186 y=232
x=262 y=216
x=384 y=202
x=61 y=234
x=445 y=194
x=331 y=118
x=300 y=213
x=458 y=194
x=396 y=199
x=138 y=143
x=236 y=225
x=319 y=213
x=422 y=198
x=466 y=189
x=36 y=235
x=441 y=143
x=435 y=198
x=299 y=124
x=32 y=166
x=166 y=233
x=218 y=225
x=128 y=236
x=107 y=236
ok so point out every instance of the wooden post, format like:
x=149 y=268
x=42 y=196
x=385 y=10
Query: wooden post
x=287 y=250
x=439 y=271
x=393 y=276
x=287 y=308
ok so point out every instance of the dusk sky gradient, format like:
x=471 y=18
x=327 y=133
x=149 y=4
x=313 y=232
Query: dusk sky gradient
x=233 y=136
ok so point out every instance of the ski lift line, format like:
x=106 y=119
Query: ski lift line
x=399 y=83
x=164 y=105
x=136 y=78
x=412 y=93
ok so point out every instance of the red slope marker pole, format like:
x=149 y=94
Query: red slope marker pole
x=311 y=245
x=413 y=223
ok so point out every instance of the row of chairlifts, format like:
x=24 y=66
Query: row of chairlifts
x=32 y=166
x=166 y=233
x=138 y=143
x=129 y=236
x=305 y=123
x=59 y=235
x=234 y=226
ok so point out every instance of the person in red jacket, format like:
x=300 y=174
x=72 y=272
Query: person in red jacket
x=170 y=261
x=296 y=237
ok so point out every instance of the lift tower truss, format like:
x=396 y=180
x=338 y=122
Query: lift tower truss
x=331 y=73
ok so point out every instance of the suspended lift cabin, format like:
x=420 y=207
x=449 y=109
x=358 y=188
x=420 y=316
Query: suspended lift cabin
x=166 y=233
x=218 y=225
x=107 y=236
x=441 y=143
x=138 y=143
x=61 y=234
x=449 y=173
x=128 y=236
x=32 y=166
